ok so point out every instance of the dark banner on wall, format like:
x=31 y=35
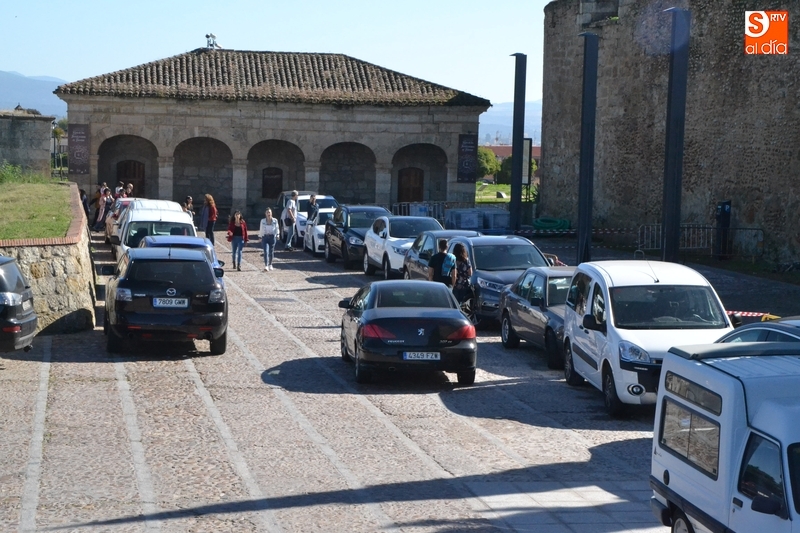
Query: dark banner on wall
x=78 y=148
x=467 y=158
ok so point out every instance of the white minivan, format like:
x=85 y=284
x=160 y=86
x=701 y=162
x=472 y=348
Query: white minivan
x=143 y=222
x=726 y=442
x=621 y=318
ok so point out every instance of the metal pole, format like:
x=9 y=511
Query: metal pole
x=586 y=172
x=517 y=133
x=676 y=119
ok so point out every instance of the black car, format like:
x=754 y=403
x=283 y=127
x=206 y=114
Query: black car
x=344 y=232
x=166 y=294
x=780 y=330
x=532 y=309
x=413 y=325
x=18 y=320
x=415 y=264
x=497 y=261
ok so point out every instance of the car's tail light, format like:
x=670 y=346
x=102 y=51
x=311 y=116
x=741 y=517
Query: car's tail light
x=124 y=295
x=373 y=331
x=216 y=296
x=12 y=329
x=463 y=333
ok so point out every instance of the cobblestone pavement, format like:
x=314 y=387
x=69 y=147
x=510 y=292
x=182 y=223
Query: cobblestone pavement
x=276 y=436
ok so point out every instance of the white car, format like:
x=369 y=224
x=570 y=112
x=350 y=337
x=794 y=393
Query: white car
x=143 y=222
x=323 y=201
x=621 y=318
x=314 y=238
x=388 y=240
x=136 y=204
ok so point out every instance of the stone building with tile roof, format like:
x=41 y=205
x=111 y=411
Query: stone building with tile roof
x=244 y=126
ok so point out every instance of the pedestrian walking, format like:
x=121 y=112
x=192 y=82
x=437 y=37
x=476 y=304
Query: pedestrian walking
x=268 y=231
x=441 y=267
x=289 y=218
x=462 y=287
x=237 y=236
x=106 y=203
x=208 y=217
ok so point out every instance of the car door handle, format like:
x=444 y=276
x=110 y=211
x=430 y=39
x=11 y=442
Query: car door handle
x=737 y=502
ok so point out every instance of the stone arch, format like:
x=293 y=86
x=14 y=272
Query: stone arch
x=203 y=165
x=131 y=159
x=428 y=159
x=347 y=171
x=266 y=156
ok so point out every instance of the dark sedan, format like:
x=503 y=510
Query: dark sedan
x=18 y=320
x=415 y=264
x=532 y=309
x=497 y=261
x=780 y=330
x=344 y=232
x=166 y=294
x=407 y=325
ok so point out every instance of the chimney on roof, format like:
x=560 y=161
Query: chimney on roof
x=211 y=41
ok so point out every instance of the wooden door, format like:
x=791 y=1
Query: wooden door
x=131 y=172
x=410 y=185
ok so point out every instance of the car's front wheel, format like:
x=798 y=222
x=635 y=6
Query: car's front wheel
x=329 y=257
x=387 y=268
x=369 y=270
x=570 y=375
x=220 y=344
x=614 y=406
x=507 y=334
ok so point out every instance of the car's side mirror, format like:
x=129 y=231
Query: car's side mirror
x=382 y=234
x=221 y=263
x=344 y=304
x=218 y=272
x=536 y=301
x=114 y=239
x=766 y=505
x=589 y=322
x=736 y=320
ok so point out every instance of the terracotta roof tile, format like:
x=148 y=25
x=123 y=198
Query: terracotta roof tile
x=231 y=75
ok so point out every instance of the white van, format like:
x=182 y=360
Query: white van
x=143 y=222
x=621 y=318
x=726 y=442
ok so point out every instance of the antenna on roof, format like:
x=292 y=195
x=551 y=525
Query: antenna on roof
x=211 y=41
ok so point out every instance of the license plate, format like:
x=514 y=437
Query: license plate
x=26 y=305
x=421 y=356
x=170 y=302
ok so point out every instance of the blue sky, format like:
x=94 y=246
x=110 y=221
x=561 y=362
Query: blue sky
x=464 y=44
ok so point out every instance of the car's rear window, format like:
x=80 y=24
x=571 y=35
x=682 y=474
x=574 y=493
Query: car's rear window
x=178 y=272
x=409 y=229
x=139 y=230
x=11 y=279
x=433 y=296
x=363 y=219
x=508 y=257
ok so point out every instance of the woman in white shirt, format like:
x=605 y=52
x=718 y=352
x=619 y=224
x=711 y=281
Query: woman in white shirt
x=268 y=232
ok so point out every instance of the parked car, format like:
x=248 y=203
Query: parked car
x=323 y=201
x=166 y=294
x=414 y=325
x=314 y=237
x=621 y=317
x=389 y=238
x=185 y=241
x=18 y=320
x=143 y=222
x=779 y=330
x=532 y=309
x=137 y=204
x=497 y=261
x=415 y=263
x=344 y=233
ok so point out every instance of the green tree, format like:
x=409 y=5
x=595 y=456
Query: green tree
x=487 y=162
x=63 y=123
x=504 y=175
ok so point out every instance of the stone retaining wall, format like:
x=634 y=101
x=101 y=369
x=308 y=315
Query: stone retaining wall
x=60 y=272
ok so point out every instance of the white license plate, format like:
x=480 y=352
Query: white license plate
x=26 y=305
x=421 y=356
x=170 y=302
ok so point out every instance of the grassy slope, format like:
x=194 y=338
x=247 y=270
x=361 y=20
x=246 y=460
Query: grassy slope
x=34 y=210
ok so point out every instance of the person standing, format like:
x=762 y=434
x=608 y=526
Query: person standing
x=208 y=217
x=106 y=203
x=441 y=267
x=463 y=269
x=313 y=207
x=289 y=218
x=268 y=231
x=96 y=202
x=237 y=236
x=188 y=207
x=84 y=203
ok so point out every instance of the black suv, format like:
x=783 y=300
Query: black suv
x=345 y=230
x=166 y=294
x=18 y=320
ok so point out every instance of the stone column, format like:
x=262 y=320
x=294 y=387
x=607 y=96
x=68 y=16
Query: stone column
x=383 y=185
x=312 y=177
x=165 y=177
x=239 y=184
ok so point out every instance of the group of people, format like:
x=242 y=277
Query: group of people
x=104 y=202
x=452 y=269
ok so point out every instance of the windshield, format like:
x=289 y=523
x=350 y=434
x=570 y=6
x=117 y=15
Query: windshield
x=409 y=229
x=794 y=472
x=557 y=289
x=508 y=257
x=363 y=219
x=666 y=307
x=139 y=230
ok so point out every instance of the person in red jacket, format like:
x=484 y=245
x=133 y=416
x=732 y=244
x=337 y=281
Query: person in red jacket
x=237 y=236
x=208 y=216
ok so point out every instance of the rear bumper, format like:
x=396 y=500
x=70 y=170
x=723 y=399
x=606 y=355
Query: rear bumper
x=11 y=341
x=459 y=358
x=164 y=327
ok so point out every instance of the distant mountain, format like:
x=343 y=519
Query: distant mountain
x=31 y=92
x=496 y=123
